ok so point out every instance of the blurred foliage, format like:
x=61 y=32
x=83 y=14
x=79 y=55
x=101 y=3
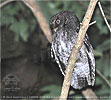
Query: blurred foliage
x=18 y=24
x=19 y=28
x=14 y=17
x=53 y=92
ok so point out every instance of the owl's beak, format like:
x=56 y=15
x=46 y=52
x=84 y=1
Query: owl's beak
x=55 y=29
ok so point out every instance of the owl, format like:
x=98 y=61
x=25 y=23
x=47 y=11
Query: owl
x=65 y=27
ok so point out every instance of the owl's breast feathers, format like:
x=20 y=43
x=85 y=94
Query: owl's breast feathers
x=84 y=70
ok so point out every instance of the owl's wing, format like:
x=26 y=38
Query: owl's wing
x=91 y=60
x=54 y=56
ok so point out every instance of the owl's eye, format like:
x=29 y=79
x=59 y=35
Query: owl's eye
x=58 y=21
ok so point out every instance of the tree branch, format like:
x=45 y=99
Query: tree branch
x=102 y=76
x=89 y=94
x=76 y=48
x=90 y=23
x=40 y=17
x=102 y=12
x=5 y=2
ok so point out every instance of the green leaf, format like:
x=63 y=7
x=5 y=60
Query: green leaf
x=98 y=53
x=66 y=4
x=104 y=46
x=98 y=80
x=21 y=30
x=7 y=14
x=49 y=9
x=103 y=65
x=5 y=19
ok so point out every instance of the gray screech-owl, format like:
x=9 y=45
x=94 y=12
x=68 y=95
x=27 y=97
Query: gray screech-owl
x=65 y=27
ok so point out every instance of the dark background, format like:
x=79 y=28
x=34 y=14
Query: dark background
x=25 y=51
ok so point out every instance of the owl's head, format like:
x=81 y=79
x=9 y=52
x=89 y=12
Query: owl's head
x=64 y=19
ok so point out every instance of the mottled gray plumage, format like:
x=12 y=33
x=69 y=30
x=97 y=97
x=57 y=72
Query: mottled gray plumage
x=65 y=27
